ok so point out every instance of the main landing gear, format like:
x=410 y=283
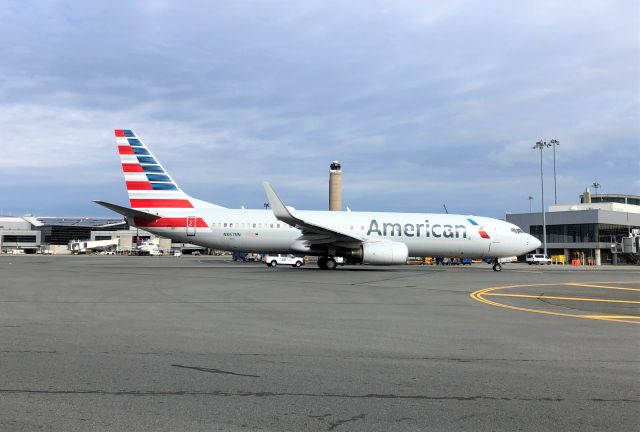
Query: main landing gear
x=327 y=263
x=497 y=266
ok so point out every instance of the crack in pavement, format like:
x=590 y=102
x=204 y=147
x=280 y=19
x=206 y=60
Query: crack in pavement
x=320 y=416
x=223 y=393
x=212 y=370
x=336 y=424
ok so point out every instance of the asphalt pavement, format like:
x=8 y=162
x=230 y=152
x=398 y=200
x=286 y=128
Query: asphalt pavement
x=201 y=343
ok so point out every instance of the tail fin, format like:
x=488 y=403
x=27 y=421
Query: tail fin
x=149 y=185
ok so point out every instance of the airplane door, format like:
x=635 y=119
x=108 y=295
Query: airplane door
x=191 y=226
x=494 y=243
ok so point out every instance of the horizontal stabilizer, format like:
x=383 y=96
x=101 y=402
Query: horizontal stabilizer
x=128 y=212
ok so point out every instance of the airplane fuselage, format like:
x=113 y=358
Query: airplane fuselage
x=424 y=234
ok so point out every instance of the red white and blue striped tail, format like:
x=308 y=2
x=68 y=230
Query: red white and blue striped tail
x=149 y=185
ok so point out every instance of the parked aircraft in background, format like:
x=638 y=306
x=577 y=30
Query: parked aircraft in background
x=159 y=206
x=149 y=248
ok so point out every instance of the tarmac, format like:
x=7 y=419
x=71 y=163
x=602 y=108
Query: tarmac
x=101 y=343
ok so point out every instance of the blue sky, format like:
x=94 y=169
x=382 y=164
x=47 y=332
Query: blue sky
x=424 y=103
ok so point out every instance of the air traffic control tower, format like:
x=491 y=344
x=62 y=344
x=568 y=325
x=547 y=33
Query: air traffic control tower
x=335 y=186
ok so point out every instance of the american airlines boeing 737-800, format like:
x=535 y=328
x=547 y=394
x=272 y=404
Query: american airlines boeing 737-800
x=158 y=205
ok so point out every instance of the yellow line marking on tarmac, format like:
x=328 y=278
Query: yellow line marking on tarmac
x=563 y=298
x=605 y=318
x=478 y=296
x=599 y=283
x=600 y=286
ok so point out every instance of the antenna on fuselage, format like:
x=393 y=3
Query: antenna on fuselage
x=445 y=208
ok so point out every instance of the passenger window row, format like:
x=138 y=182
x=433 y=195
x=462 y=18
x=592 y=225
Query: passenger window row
x=248 y=225
x=272 y=226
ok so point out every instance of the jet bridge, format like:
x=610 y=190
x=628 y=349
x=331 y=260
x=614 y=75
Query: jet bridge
x=628 y=248
x=84 y=246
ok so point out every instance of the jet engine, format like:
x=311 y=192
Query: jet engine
x=379 y=253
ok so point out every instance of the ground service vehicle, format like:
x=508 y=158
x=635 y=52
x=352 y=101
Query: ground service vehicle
x=283 y=259
x=538 y=259
x=239 y=256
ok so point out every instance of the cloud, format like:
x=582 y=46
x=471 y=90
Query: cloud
x=421 y=101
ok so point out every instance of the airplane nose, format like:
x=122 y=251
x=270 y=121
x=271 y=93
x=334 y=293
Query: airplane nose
x=534 y=242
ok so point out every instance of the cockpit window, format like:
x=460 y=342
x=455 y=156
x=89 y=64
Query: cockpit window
x=516 y=230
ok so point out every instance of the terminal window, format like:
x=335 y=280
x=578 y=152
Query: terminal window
x=571 y=233
x=610 y=232
x=19 y=239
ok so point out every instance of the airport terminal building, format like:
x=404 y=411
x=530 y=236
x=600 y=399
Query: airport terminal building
x=587 y=230
x=29 y=234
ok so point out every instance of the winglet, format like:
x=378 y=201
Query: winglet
x=280 y=211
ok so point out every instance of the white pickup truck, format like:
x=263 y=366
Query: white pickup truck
x=538 y=259
x=283 y=259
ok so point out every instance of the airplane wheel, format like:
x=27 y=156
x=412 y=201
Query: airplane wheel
x=331 y=264
x=273 y=263
x=298 y=264
x=497 y=267
x=322 y=263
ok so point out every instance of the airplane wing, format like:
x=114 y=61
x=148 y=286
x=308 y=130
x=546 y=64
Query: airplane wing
x=313 y=233
x=126 y=211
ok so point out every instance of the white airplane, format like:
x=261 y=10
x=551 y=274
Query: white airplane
x=158 y=205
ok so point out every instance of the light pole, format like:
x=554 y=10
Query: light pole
x=530 y=199
x=554 y=142
x=596 y=186
x=541 y=145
